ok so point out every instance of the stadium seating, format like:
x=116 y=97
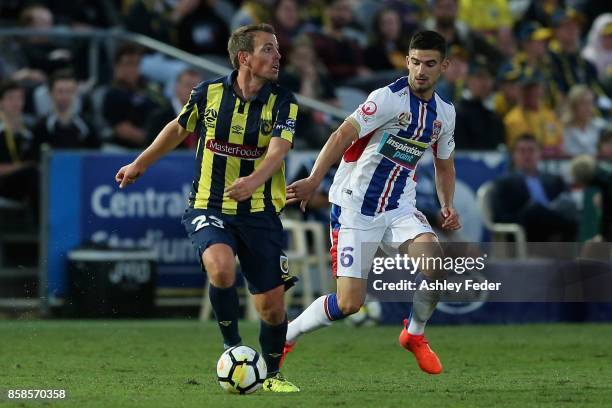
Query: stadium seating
x=499 y=231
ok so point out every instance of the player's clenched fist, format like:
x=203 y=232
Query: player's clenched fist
x=242 y=189
x=128 y=174
x=450 y=219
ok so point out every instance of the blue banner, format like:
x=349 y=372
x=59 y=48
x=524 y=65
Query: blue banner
x=144 y=214
x=86 y=205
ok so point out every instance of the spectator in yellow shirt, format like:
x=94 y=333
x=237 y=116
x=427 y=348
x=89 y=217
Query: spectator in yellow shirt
x=531 y=116
x=492 y=19
x=485 y=15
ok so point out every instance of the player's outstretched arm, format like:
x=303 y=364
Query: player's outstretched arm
x=170 y=137
x=445 y=185
x=244 y=187
x=302 y=190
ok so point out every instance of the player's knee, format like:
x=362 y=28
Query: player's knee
x=272 y=313
x=349 y=306
x=220 y=270
x=273 y=317
x=222 y=280
x=271 y=306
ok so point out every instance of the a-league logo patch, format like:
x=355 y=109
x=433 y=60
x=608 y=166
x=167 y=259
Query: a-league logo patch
x=284 y=263
x=210 y=117
x=369 y=108
x=437 y=129
x=404 y=119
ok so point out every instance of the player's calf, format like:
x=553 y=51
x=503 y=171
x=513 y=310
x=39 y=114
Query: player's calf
x=349 y=305
x=273 y=328
x=321 y=313
x=271 y=306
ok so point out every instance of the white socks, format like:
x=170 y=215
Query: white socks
x=423 y=305
x=415 y=327
x=313 y=318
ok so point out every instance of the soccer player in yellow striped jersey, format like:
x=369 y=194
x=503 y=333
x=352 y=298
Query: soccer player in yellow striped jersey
x=245 y=124
x=233 y=136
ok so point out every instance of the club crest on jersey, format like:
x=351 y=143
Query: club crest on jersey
x=437 y=129
x=266 y=126
x=369 y=108
x=284 y=264
x=419 y=216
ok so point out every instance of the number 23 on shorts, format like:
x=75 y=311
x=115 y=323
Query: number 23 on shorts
x=202 y=221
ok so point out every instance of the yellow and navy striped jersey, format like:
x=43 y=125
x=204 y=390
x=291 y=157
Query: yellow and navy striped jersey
x=233 y=135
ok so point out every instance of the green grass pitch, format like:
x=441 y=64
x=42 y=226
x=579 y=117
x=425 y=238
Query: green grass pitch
x=171 y=363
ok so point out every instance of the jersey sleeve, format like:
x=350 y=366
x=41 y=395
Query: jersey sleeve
x=284 y=127
x=445 y=146
x=374 y=112
x=188 y=118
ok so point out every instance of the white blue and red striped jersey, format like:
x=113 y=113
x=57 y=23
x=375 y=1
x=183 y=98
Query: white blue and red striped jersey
x=395 y=128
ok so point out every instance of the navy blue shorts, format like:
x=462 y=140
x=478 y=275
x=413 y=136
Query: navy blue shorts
x=256 y=238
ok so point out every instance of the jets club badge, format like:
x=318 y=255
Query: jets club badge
x=437 y=129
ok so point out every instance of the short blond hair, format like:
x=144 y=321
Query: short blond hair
x=243 y=39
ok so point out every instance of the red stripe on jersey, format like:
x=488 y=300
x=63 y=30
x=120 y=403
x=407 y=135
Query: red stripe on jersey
x=386 y=195
x=354 y=152
x=333 y=251
x=420 y=128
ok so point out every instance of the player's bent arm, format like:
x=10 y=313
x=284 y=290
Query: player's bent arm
x=336 y=145
x=334 y=148
x=244 y=187
x=445 y=180
x=169 y=137
x=275 y=154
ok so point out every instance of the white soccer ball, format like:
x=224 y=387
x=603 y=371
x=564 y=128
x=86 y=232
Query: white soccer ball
x=241 y=370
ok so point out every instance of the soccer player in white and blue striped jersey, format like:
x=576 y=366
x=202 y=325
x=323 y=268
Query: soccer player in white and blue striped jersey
x=373 y=194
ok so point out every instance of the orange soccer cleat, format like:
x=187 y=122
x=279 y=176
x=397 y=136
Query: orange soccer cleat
x=418 y=345
x=287 y=349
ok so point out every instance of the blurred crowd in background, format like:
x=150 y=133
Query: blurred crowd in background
x=518 y=67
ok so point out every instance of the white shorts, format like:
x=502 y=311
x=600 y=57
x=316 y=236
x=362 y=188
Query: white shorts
x=356 y=237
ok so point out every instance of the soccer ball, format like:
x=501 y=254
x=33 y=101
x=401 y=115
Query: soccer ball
x=241 y=370
x=370 y=314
